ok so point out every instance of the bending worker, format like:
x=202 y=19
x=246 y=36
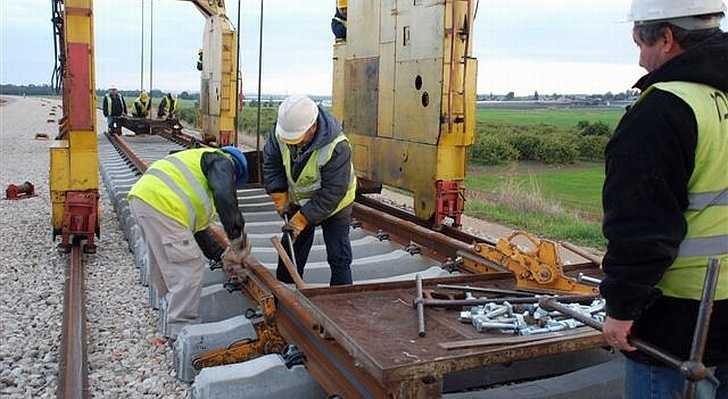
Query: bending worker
x=174 y=203
x=113 y=106
x=168 y=107
x=142 y=106
x=308 y=172
x=666 y=195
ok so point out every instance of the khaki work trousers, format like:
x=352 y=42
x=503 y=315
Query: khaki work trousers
x=176 y=264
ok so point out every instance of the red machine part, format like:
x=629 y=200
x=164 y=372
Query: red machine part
x=80 y=219
x=449 y=201
x=21 y=191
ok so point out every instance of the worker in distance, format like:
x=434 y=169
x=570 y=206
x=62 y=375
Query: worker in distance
x=308 y=172
x=666 y=195
x=174 y=203
x=113 y=107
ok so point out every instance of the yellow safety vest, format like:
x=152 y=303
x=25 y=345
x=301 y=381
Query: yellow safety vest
x=707 y=213
x=176 y=187
x=141 y=107
x=169 y=105
x=309 y=181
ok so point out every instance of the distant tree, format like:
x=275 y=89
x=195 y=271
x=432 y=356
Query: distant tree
x=609 y=96
x=510 y=96
x=535 y=95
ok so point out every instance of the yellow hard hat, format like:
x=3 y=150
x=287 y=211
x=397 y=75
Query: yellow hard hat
x=144 y=95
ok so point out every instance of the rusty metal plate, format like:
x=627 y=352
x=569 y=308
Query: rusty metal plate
x=362 y=102
x=377 y=325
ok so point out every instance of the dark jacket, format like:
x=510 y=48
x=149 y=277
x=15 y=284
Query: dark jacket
x=118 y=105
x=335 y=175
x=649 y=162
x=338 y=25
x=220 y=174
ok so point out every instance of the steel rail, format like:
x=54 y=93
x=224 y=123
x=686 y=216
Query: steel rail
x=73 y=366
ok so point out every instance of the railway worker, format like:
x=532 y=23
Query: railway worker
x=338 y=22
x=666 y=195
x=168 y=107
x=307 y=170
x=174 y=203
x=113 y=106
x=142 y=106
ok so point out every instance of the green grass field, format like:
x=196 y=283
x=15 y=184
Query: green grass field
x=575 y=187
x=562 y=117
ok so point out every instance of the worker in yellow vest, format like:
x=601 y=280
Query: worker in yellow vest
x=307 y=170
x=174 y=203
x=113 y=107
x=666 y=195
x=168 y=107
x=142 y=106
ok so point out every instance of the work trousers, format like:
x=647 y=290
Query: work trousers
x=644 y=381
x=338 y=252
x=176 y=264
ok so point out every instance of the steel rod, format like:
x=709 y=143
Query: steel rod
x=260 y=85
x=484 y=290
x=151 y=51
x=558 y=305
x=443 y=303
x=141 y=73
x=583 y=278
x=73 y=367
x=420 y=306
x=700 y=336
x=237 y=80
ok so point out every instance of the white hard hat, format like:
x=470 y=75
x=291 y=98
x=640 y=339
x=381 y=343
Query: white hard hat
x=296 y=115
x=660 y=10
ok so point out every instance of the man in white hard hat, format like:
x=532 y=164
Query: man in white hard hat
x=308 y=172
x=666 y=195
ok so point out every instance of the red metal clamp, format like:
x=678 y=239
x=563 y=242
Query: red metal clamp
x=449 y=201
x=80 y=219
x=21 y=191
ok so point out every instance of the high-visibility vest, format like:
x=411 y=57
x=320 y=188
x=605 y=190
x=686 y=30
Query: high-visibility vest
x=301 y=191
x=141 y=107
x=169 y=105
x=109 y=103
x=176 y=187
x=707 y=213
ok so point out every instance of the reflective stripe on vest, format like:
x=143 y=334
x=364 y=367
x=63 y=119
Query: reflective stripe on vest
x=183 y=194
x=191 y=214
x=707 y=212
x=108 y=104
x=309 y=181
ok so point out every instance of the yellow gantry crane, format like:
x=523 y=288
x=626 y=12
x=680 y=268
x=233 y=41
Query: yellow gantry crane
x=73 y=155
x=405 y=91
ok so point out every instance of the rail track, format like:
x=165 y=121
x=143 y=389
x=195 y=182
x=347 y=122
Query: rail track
x=390 y=247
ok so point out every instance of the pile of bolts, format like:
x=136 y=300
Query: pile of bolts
x=527 y=319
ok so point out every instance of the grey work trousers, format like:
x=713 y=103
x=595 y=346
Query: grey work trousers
x=176 y=264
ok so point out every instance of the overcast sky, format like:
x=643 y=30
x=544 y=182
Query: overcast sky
x=564 y=46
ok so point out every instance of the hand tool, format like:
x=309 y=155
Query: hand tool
x=693 y=369
x=290 y=266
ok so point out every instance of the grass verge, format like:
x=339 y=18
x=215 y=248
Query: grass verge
x=564 y=226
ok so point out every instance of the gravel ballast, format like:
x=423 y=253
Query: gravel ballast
x=125 y=360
